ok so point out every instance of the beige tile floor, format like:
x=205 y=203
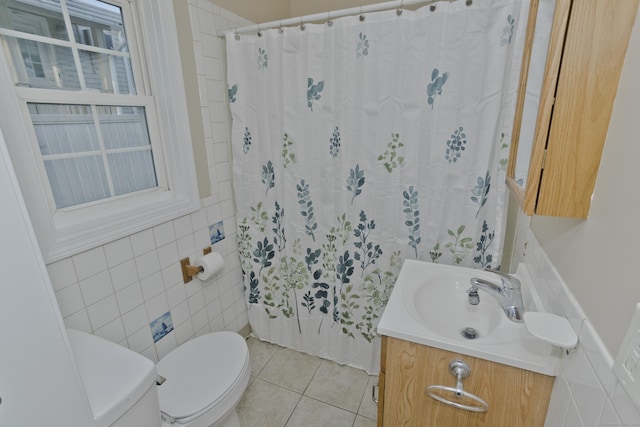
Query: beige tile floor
x=293 y=389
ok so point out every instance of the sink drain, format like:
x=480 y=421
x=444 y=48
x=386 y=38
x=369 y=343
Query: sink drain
x=469 y=333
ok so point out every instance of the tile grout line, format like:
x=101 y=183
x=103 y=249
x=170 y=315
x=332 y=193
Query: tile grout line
x=364 y=393
x=292 y=412
x=313 y=376
x=303 y=393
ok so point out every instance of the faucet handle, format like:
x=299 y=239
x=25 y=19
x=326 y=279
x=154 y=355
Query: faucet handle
x=473 y=298
x=509 y=281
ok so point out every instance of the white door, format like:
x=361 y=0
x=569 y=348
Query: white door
x=39 y=382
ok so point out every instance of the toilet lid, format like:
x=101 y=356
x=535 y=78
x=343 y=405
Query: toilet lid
x=200 y=372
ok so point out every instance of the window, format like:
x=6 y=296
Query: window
x=99 y=134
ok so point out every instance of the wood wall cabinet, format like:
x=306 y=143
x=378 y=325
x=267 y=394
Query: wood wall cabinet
x=587 y=48
x=516 y=397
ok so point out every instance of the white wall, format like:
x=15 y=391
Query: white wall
x=39 y=383
x=598 y=258
x=585 y=393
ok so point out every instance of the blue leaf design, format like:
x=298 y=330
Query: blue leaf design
x=233 y=90
x=263 y=59
x=246 y=140
x=481 y=191
x=355 y=181
x=368 y=253
x=279 y=238
x=482 y=247
x=254 y=291
x=334 y=143
x=313 y=91
x=362 y=49
x=435 y=87
x=306 y=208
x=456 y=145
x=263 y=254
x=268 y=175
x=507 y=31
x=344 y=268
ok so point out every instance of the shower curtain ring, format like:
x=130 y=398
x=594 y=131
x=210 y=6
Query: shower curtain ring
x=329 y=21
x=361 y=15
x=237 y=36
x=301 y=25
x=401 y=8
x=259 y=31
x=280 y=29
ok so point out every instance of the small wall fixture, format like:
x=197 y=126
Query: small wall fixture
x=188 y=270
x=550 y=328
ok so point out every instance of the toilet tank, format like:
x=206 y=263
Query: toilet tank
x=119 y=383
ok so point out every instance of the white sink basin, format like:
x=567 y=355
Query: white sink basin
x=439 y=302
x=429 y=306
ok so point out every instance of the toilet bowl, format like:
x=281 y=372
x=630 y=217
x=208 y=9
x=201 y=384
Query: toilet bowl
x=205 y=379
x=198 y=384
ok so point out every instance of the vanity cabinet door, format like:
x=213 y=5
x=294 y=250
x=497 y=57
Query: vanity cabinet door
x=516 y=398
x=586 y=52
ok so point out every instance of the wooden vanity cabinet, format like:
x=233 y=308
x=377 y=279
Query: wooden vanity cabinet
x=516 y=397
x=587 y=48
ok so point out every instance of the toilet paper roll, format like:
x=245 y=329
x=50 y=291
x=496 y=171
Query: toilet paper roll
x=211 y=264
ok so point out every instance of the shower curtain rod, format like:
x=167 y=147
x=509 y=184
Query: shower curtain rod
x=396 y=4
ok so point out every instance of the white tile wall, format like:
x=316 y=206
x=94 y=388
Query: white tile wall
x=116 y=290
x=586 y=392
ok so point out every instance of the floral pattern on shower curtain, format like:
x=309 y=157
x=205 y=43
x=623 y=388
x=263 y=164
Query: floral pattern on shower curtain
x=358 y=145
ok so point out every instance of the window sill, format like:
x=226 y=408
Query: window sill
x=84 y=229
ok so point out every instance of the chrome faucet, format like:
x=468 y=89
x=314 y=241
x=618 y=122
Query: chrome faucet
x=508 y=294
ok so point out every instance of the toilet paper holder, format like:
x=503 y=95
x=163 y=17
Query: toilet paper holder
x=188 y=270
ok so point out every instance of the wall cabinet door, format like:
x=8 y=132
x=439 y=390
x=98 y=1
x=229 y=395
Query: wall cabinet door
x=587 y=48
x=516 y=397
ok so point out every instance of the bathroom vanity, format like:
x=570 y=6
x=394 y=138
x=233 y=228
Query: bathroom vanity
x=517 y=397
x=448 y=360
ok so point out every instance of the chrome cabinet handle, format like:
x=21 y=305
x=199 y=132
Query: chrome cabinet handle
x=374 y=395
x=459 y=369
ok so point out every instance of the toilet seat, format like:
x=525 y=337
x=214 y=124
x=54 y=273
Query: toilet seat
x=201 y=374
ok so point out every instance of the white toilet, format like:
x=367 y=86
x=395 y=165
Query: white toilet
x=204 y=379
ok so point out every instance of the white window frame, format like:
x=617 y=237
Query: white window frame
x=65 y=232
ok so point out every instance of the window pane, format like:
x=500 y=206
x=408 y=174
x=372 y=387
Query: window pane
x=96 y=23
x=107 y=73
x=132 y=171
x=42 y=65
x=64 y=129
x=123 y=127
x=47 y=65
x=78 y=180
x=40 y=17
x=76 y=151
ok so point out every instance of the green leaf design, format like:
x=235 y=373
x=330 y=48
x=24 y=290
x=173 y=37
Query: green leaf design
x=412 y=217
x=391 y=158
x=288 y=156
x=460 y=246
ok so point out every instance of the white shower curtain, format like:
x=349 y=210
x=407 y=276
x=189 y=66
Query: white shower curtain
x=362 y=143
